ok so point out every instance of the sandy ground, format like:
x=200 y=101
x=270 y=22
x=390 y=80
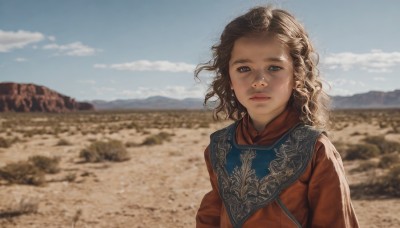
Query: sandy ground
x=160 y=186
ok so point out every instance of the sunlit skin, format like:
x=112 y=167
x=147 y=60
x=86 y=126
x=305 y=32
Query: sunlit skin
x=261 y=73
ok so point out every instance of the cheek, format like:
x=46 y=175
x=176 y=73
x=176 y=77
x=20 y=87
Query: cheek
x=286 y=86
x=290 y=83
x=234 y=81
x=239 y=85
x=235 y=85
x=230 y=78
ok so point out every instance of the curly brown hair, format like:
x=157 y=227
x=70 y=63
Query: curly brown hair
x=308 y=97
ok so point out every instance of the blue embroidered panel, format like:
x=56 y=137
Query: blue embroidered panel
x=260 y=163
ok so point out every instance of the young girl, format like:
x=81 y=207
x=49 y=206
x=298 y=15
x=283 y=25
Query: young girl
x=273 y=167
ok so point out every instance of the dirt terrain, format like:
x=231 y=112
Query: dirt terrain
x=161 y=185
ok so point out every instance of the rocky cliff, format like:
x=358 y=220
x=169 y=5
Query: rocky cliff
x=33 y=98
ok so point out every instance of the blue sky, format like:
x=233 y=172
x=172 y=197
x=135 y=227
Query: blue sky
x=97 y=49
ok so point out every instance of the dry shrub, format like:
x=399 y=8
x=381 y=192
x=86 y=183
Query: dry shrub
x=388 y=160
x=145 y=132
x=355 y=133
x=383 y=125
x=134 y=125
x=45 y=164
x=385 y=146
x=204 y=125
x=5 y=143
x=365 y=166
x=100 y=151
x=76 y=217
x=157 y=139
x=22 y=172
x=131 y=144
x=362 y=151
x=71 y=177
x=30 y=172
x=63 y=142
x=152 y=140
x=24 y=206
x=386 y=186
x=341 y=147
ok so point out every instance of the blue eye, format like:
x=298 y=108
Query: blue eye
x=243 y=69
x=274 y=68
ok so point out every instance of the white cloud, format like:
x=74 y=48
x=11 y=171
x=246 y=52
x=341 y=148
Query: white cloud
x=382 y=70
x=344 y=82
x=72 y=49
x=340 y=92
x=145 y=65
x=104 y=90
x=20 y=60
x=375 y=61
x=51 y=38
x=178 y=92
x=11 y=40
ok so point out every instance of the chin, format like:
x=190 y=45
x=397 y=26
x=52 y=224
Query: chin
x=266 y=110
x=260 y=110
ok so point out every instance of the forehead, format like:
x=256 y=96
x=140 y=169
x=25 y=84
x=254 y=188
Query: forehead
x=259 y=46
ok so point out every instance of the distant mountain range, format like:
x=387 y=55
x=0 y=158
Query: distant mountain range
x=156 y=102
x=20 y=97
x=372 y=99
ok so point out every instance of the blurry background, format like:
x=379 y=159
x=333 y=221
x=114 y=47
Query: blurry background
x=145 y=168
x=125 y=49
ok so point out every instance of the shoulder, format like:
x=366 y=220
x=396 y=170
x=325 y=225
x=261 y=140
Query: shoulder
x=306 y=133
x=326 y=155
x=324 y=147
x=222 y=132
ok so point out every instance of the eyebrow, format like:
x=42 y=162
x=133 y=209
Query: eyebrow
x=269 y=59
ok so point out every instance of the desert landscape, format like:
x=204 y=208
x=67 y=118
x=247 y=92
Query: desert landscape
x=146 y=168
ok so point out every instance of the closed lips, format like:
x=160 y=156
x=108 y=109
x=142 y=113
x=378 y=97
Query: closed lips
x=259 y=96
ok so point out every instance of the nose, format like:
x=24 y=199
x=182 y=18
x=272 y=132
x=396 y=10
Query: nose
x=259 y=81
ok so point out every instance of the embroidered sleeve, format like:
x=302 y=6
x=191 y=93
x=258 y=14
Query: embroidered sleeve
x=329 y=194
x=208 y=214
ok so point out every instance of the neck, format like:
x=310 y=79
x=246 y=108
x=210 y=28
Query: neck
x=259 y=124
x=261 y=120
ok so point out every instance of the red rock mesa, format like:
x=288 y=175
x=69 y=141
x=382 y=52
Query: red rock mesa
x=33 y=98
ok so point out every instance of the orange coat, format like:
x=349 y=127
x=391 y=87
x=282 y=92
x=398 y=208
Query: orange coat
x=320 y=197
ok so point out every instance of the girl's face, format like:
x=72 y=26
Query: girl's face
x=261 y=73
